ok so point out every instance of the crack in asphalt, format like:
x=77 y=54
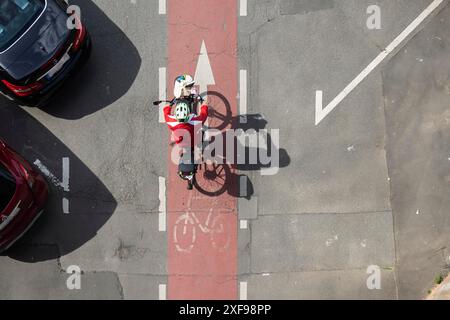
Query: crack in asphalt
x=119 y=286
x=388 y=169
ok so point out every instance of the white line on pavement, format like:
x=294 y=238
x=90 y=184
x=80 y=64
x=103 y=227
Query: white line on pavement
x=65 y=202
x=243 y=290
x=162 y=292
x=162 y=92
x=162 y=204
x=47 y=173
x=243 y=224
x=66 y=174
x=206 y=136
x=162 y=7
x=65 y=178
x=243 y=96
x=243 y=8
x=321 y=113
x=243 y=186
x=204 y=75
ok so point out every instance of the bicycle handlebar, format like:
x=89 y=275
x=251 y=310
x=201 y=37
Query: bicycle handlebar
x=157 y=103
x=197 y=98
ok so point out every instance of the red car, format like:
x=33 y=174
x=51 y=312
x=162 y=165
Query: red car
x=23 y=194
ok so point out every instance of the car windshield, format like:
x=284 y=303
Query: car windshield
x=7 y=187
x=15 y=17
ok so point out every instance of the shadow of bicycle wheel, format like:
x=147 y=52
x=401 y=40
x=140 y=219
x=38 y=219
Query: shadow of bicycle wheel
x=212 y=179
x=226 y=159
x=221 y=116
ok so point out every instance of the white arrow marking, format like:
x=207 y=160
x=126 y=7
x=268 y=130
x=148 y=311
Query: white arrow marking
x=321 y=113
x=203 y=74
x=204 y=77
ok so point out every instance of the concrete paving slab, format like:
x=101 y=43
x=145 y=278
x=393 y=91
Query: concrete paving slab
x=129 y=243
x=248 y=208
x=417 y=89
x=141 y=287
x=311 y=242
x=340 y=165
x=292 y=7
x=47 y=280
x=244 y=250
x=322 y=285
x=395 y=17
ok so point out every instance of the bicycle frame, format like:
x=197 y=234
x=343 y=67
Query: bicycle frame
x=203 y=227
x=188 y=169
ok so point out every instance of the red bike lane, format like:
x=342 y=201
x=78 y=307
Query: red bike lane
x=202 y=229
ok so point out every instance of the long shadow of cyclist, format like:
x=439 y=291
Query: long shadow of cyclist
x=236 y=144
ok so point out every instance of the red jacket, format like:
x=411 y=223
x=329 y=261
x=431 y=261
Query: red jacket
x=194 y=125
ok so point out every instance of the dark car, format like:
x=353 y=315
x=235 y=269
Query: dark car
x=39 y=48
x=23 y=194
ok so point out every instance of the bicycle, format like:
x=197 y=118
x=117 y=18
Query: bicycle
x=187 y=168
x=186 y=226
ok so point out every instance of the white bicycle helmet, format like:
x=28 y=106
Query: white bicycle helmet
x=182 y=82
x=182 y=111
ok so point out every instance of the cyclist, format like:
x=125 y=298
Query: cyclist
x=182 y=118
x=185 y=125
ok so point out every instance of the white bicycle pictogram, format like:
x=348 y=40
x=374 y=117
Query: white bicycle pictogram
x=188 y=224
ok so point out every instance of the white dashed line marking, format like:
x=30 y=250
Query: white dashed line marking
x=65 y=178
x=65 y=183
x=66 y=174
x=243 y=96
x=162 y=204
x=243 y=186
x=47 y=173
x=243 y=8
x=65 y=203
x=162 y=292
x=162 y=92
x=162 y=7
x=243 y=290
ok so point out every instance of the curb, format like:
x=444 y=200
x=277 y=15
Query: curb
x=442 y=291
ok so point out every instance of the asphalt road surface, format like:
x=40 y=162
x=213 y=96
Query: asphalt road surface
x=364 y=189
